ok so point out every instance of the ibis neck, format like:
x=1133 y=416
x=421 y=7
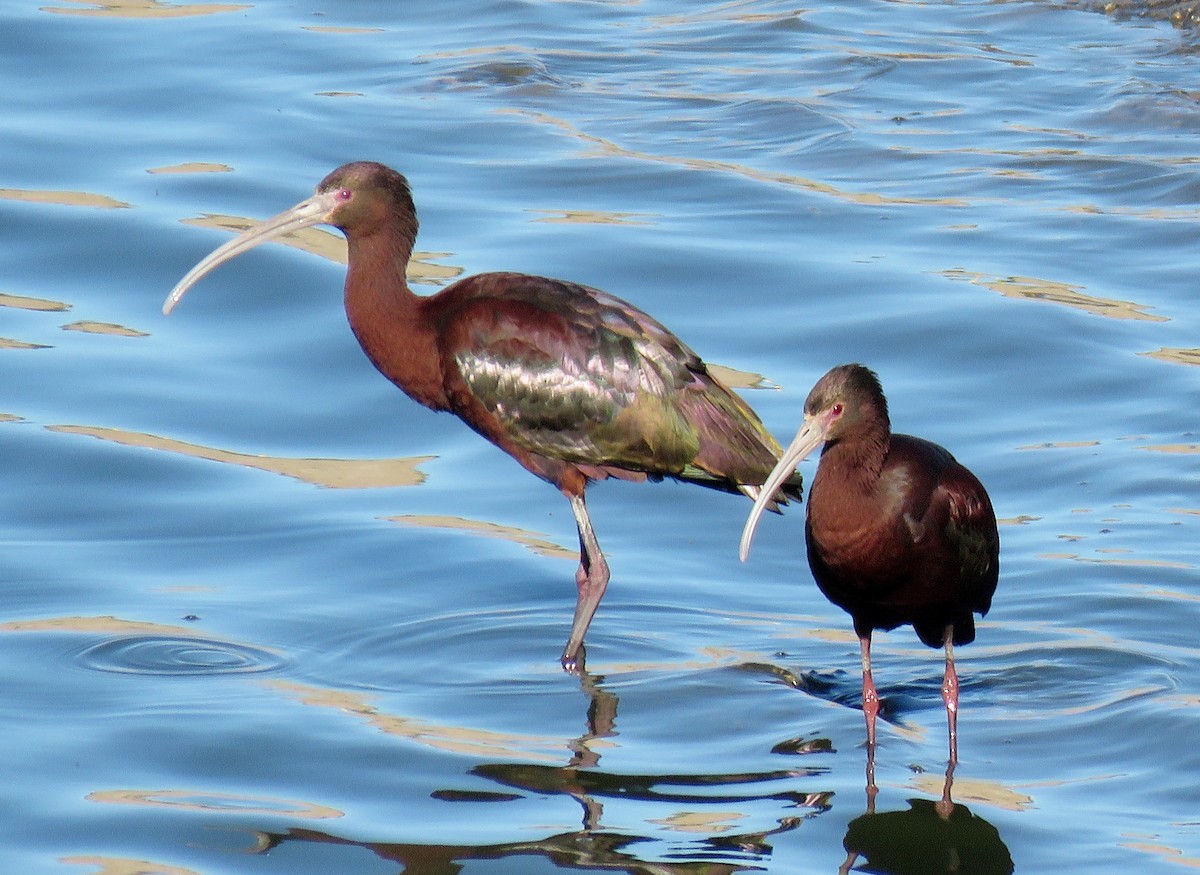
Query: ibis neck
x=858 y=460
x=388 y=318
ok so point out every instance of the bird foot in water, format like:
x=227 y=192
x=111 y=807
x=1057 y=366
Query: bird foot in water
x=574 y=663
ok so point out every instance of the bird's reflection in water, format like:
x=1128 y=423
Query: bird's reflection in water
x=588 y=786
x=931 y=838
x=572 y=850
x=593 y=846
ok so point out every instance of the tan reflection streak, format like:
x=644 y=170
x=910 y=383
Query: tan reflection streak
x=706 y=659
x=127 y=866
x=333 y=473
x=1168 y=853
x=1036 y=289
x=975 y=790
x=9 y=417
x=333 y=247
x=1060 y=445
x=706 y=822
x=1019 y=520
x=489 y=530
x=9 y=343
x=1186 y=449
x=225 y=803
x=1175 y=354
x=1132 y=563
x=1157 y=214
x=1170 y=594
x=591 y=217
x=1181 y=700
x=607 y=147
x=726 y=12
x=99 y=626
x=735 y=379
x=476 y=51
x=20 y=302
x=351 y=30
x=104 y=328
x=62 y=198
x=456 y=739
x=141 y=9
x=192 y=167
x=1185 y=510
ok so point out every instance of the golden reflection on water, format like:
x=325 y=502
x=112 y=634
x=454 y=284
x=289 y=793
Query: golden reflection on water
x=1166 y=852
x=735 y=379
x=225 y=803
x=731 y=12
x=62 y=198
x=333 y=247
x=527 y=539
x=599 y=145
x=347 y=30
x=1034 y=289
x=455 y=739
x=331 y=473
x=20 y=302
x=1175 y=354
x=1101 y=560
x=192 y=167
x=592 y=217
x=702 y=822
x=127 y=866
x=1018 y=520
x=975 y=790
x=1060 y=445
x=9 y=343
x=141 y=9
x=100 y=626
x=111 y=328
x=705 y=659
x=1185 y=449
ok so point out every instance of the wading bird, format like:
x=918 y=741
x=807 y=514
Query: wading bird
x=897 y=531
x=575 y=384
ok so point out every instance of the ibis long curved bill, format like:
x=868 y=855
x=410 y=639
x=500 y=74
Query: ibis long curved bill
x=808 y=438
x=311 y=211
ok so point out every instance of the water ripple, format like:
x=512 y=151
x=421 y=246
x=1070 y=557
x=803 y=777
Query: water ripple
x=167 y=655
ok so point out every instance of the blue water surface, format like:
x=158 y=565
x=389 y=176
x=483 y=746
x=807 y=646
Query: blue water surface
x=263 y=614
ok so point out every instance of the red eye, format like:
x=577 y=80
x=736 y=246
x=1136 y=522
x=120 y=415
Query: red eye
x=836 y=409
x=344 y=194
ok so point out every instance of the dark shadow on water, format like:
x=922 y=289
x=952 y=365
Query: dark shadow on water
x=605 y=851
x=933 y=837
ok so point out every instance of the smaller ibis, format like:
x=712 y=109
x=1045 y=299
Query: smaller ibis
x=897 y=531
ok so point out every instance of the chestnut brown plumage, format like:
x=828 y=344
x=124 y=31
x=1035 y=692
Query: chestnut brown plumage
x=897 y=531
x=573 y=383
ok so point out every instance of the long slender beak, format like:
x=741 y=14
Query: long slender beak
x=312 y=211
x=808 y=438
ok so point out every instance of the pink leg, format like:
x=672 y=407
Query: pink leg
x=950 y=695
x=591 y=578
x=870 y=699
x=945 y=807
